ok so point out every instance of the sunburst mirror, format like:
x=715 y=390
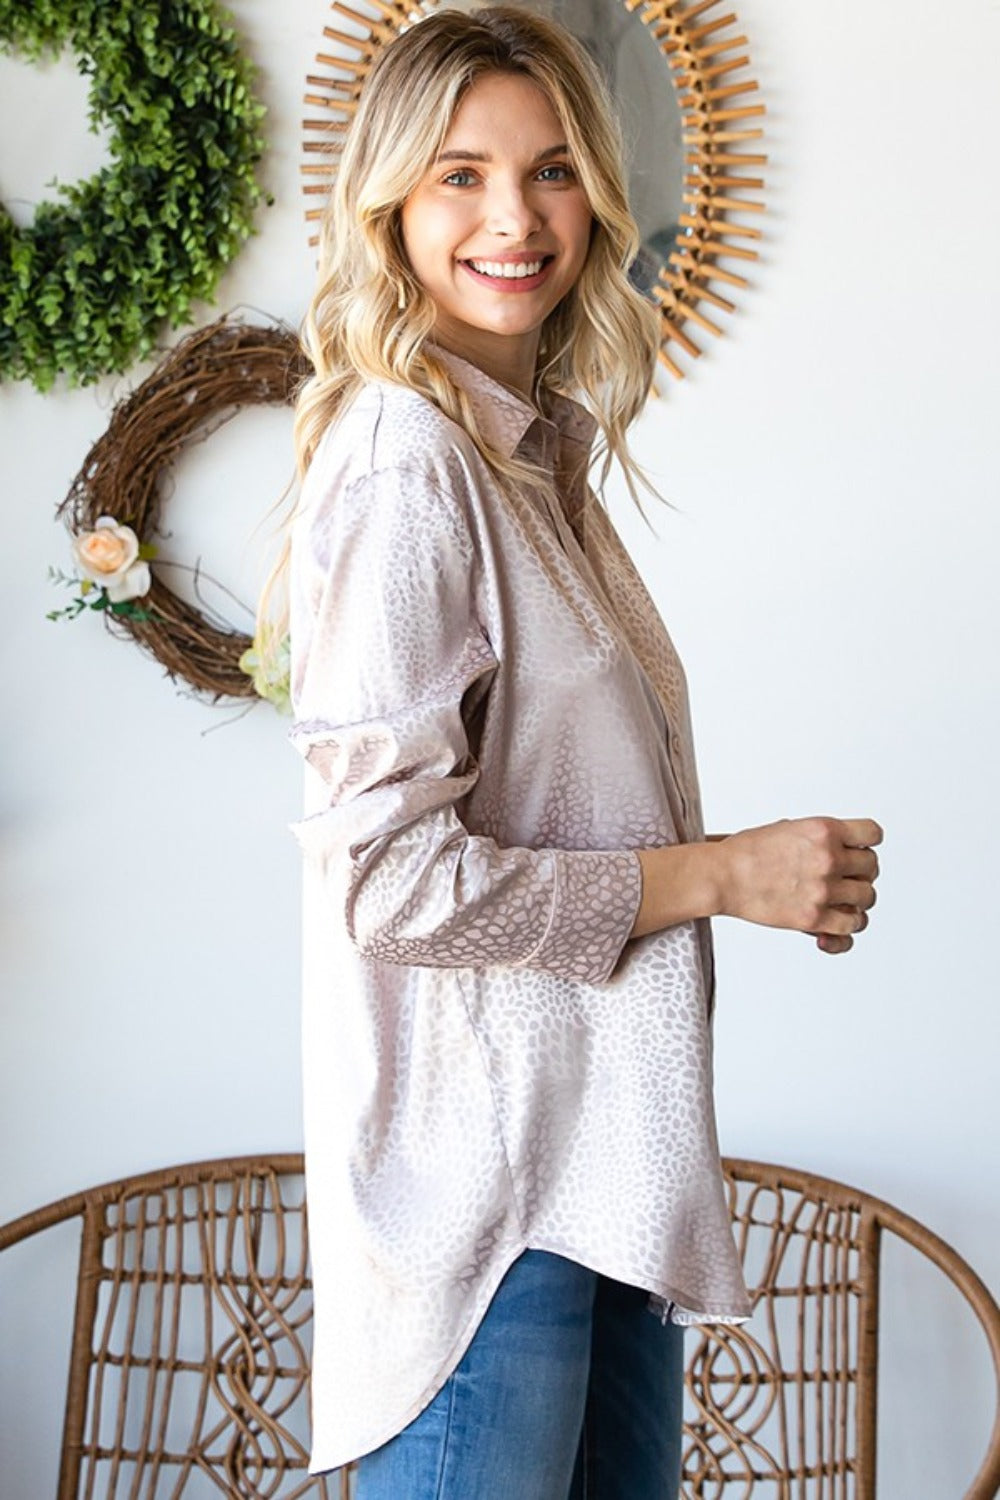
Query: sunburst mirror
x=680 y=75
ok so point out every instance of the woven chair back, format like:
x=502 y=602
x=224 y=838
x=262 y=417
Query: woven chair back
x=785 y=1406
x=790 y=1396
x=191 y=1346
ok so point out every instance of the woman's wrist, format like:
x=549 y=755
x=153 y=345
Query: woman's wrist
x=680 y=882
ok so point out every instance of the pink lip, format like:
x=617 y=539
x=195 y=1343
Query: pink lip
x=513 y=283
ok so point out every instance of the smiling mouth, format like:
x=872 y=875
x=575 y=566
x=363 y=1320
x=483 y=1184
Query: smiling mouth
x=509 y=270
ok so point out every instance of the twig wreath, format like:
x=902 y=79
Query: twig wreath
x=211 y=375
x=85 y=288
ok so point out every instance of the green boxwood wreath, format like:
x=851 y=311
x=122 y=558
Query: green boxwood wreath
x=86 y=286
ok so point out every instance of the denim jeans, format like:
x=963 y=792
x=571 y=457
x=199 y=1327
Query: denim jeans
x=570 y=1390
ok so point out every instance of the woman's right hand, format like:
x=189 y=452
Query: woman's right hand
x=814 y=875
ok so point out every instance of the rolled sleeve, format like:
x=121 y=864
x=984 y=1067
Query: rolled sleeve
x=389 y=652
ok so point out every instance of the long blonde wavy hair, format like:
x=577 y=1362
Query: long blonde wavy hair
x=370 y=318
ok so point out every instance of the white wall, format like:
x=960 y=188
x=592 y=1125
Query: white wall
x=829 y=577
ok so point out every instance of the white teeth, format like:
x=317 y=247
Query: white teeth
x=509 y=270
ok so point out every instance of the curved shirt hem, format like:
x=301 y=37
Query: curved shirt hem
x=384 y=1434
x=681 y=1307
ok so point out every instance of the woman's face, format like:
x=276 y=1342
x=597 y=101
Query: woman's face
x=498 y=230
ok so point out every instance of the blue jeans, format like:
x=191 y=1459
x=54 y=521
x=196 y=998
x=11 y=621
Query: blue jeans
x=570 y=1390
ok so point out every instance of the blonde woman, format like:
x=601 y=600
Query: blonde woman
x=514 y=1186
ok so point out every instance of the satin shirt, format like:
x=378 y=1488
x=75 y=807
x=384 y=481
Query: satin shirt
x=495 y=720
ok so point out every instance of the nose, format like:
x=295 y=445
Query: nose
x=511 y=213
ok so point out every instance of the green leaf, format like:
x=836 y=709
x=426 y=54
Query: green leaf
x=85 y=287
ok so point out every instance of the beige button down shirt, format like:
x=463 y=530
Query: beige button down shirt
x=495 y=720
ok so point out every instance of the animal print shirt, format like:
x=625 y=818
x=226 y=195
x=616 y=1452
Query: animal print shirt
x=494 y=721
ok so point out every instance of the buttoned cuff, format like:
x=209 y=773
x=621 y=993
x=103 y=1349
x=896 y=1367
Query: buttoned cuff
x=596 y=898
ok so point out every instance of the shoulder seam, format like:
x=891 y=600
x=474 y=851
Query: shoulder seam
x=403 y=467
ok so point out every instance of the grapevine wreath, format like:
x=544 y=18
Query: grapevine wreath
x=85 y=288
x=211 y=375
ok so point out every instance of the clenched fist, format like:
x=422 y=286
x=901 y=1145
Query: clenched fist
x=814 y=875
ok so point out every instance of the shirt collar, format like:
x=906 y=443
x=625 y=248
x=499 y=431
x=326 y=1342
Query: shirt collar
x=507 y=420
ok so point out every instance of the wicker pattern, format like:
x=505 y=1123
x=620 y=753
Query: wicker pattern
x=706 y=63
x=190 y=1360
x=778 y=1400
x=189 y=1368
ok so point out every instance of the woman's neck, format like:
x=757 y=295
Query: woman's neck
x=508 y=360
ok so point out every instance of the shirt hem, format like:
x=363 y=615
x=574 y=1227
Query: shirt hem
x=684 y=1308
x=681 y=1307
x=451 y=1363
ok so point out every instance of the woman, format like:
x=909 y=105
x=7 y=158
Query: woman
x=510 y=1140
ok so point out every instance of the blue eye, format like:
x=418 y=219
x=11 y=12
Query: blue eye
x=462 y=173
x=561 y=170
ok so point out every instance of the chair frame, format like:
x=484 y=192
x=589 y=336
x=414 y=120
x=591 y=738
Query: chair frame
x=91 y=1206
x=874 y=1218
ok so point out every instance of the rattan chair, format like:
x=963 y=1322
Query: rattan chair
x=190 y=1354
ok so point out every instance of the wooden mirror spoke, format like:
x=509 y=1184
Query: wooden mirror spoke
x=706 y=62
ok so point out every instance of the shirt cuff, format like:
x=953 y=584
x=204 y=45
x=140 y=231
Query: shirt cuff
x=597 y=896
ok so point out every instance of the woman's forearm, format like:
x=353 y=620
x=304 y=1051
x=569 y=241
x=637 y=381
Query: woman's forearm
x=811 y=875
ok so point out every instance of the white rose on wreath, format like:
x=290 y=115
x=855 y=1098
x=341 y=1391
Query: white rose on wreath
x=109 y=557
x=112 y=571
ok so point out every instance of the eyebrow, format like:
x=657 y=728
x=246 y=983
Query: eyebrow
x=550 y=151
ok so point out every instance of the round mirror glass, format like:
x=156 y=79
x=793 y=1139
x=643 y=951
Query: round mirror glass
x=640 y=82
